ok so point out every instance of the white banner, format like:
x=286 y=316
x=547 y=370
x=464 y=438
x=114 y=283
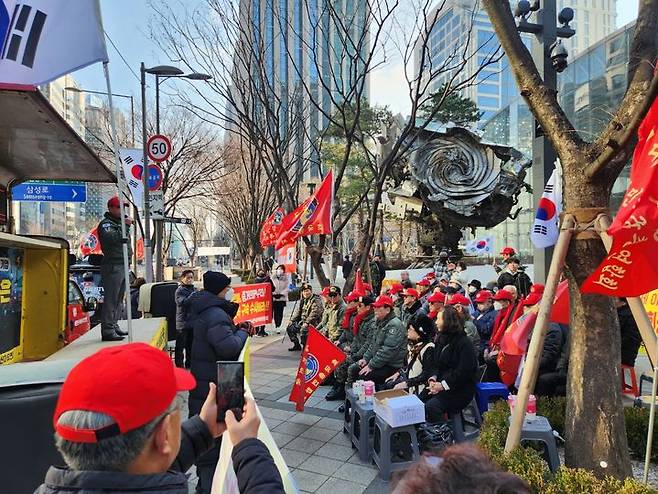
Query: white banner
x=42 y=40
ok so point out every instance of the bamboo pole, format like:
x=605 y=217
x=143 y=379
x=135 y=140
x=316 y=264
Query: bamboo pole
x=531 y=367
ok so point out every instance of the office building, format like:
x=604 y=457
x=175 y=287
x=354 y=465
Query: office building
x=303 y=56
x=464 y=23
x=589 y=91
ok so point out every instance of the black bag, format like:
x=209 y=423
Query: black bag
x=434 y=437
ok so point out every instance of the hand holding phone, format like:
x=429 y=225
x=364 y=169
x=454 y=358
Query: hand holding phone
x=245 y=429
x=230 y=389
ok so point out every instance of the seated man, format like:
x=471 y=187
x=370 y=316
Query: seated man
x=332 y=315
x=484 y=318
x=463 y=305
x=362 y=329
x=385 y=353
x=129 y=438
x=351 y=308
x=436 y=303
x=308 y=313
x=410 y=305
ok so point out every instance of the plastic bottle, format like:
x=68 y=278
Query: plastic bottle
x=531 y=410
x=369 y=391
x=511 y=401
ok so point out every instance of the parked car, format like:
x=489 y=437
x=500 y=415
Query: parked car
x=78 y=310
x=88 y=278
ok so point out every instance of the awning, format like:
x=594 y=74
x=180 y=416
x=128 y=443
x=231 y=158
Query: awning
x=36 y=143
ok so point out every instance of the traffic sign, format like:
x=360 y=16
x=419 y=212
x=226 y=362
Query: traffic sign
x=50 y=191
x=158 y=148
x=156 y=205
x=184 y=221
x=155 y=177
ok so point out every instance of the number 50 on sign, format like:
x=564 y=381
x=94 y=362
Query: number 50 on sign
x=158 y=148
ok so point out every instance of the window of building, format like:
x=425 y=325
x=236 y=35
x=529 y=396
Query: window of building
x=488 y=88
x=487 y=102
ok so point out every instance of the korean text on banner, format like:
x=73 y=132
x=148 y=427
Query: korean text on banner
x=44 y=40
x=271 y=228
x=255 y=303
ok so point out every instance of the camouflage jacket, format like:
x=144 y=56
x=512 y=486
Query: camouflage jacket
x=309 y=311
x=331 y=319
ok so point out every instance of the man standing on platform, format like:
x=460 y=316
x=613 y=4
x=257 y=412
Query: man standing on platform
x=112 y=276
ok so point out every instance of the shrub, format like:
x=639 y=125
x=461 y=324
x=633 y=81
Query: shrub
x=554 y=409
x=637 y=425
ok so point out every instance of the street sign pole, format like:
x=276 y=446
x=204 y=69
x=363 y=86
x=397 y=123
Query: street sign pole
x=148 y=254
x=159 y=225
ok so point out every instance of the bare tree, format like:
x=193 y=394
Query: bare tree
x=596 y=436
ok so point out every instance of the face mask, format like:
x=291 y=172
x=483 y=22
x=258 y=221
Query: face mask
x=498 y=305
x=229 y=295
x=472 y=289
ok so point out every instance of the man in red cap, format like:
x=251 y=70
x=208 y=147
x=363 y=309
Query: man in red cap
x=385 y=353
x=503 y=303
x=396 y=294
x=506 y=253
x=435 y=302
x=410 y=305
x=112 y=275
x=128 y=437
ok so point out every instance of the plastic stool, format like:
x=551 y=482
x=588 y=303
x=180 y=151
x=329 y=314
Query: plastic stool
x=382 y=453
x=459 y=422
x=627 y=388
x=350 y=399
x=363 y=416
x=484 y=392
x=539 y=429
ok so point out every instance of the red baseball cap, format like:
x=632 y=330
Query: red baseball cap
x=437 y=297
x=133 y=384
x=533 y=298
x=383 y=301
x=483 y=296
x=113 y=202
x=459 y=299
x=503 y=295
x=396 y=288
x=325 y=291
x=430 y=275
x=423 y=282
x=353 y=296
x=507 y=251
x=410 y=292
x=537 y=288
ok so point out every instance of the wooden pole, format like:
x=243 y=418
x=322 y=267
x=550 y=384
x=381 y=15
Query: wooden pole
x=531 y=367
x=634 y=303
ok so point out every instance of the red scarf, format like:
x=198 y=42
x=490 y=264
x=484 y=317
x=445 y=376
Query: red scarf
x=500 y=325
x=517 y=313
x=357 y=321
x=345 y=323
x=432 y=315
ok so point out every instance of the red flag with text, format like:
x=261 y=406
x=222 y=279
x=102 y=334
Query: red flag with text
x=630 y=269
x=312 y=217
x=319 y=359
x=271 y=229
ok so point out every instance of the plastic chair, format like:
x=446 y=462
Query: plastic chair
x=629 y=388
x=350 y=399
x=484 y=392
x=362 y=419
x=459 y=423
x=383 y=453
x=539 y=429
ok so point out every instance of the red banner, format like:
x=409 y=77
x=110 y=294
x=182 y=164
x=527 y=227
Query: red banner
x=271 y=229
x=255 y=303
x=319 y=359
x=286 y=256
x=91 y=244
x=312 y=217
x=630 y=269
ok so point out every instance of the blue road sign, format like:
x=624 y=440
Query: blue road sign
x=50 y=191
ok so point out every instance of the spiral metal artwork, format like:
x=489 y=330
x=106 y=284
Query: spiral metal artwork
x=465 y=181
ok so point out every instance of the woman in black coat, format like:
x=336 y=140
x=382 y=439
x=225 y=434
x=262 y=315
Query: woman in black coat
x=451 y=386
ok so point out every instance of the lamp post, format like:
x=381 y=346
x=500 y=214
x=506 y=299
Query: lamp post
x=162 y=73
x=550 y=57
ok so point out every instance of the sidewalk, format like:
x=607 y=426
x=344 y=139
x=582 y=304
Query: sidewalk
x=316 y=450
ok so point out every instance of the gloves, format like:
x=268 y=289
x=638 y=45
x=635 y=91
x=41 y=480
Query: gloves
x=247 y=327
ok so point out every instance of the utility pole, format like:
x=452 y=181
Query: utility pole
x=148 y=255
x=550 y=57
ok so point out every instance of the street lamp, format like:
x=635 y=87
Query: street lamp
x=161 y=73
x=550 y=56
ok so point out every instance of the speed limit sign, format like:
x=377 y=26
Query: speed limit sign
x=158 y=148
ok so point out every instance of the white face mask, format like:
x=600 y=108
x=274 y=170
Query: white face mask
x=498 y=305
x=472 y=289
x=229 y=295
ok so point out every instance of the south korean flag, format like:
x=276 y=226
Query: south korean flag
x=545 y=228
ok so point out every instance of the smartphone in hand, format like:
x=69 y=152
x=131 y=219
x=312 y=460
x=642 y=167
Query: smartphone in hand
x=230 y=389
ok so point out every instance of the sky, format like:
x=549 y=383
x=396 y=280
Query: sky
x=126 y=23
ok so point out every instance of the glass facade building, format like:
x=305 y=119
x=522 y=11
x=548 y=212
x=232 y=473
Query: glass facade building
x=590 y=91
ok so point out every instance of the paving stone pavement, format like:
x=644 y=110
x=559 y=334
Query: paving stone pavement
x=316 y=450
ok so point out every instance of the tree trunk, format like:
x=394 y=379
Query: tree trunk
x=595 y=430
x=357 y=254
x=315 y=252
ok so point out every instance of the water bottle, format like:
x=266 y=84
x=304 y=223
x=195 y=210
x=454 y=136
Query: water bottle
x=531 y=410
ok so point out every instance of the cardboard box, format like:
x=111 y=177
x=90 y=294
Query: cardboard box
x=397 y=407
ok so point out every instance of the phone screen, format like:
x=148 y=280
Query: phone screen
x=230 y=389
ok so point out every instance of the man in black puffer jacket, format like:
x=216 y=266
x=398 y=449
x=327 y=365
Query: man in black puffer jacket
x=215 y=337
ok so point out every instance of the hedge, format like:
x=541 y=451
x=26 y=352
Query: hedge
x=526 y=462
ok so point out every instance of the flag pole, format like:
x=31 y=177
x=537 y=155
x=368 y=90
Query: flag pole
x=121 y=187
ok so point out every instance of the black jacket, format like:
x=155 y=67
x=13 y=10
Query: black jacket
x=182 y=292
x=134 y=303
x=519 y=279
x=454 y=363
x=552 y=350
x=215 y=337
x=252 y=462
x=109 y=235
x=630 y=335
x=195 y=440
x=347 y=268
